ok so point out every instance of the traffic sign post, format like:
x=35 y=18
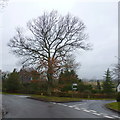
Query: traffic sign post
x=74 y=87
x=118 y=88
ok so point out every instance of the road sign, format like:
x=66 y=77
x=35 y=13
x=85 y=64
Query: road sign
x=74 y=86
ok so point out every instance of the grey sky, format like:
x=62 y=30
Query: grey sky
x=100 y=18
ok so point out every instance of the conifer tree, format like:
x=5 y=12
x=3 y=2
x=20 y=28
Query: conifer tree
x=108 y=84
x=13 y=83
x=68 y=76
x=98 y=85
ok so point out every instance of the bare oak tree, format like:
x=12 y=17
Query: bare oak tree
x=50 y=39
x=3 y=3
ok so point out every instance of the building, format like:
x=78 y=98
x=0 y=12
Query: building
x=29 y=74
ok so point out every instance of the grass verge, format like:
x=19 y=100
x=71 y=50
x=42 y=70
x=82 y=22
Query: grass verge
x=114 y=106
x=5 y=93
x=98 y=98
x=54 y=99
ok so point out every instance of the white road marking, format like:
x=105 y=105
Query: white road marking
x=64 y=105
x=104 y=114
x=78 y=104
x=115 y=116
x=83 y=108
x=82 y=104
x=86 y=110
x=108 y=116
x=22 y=96
x=59 y=103
x=71 y=106
x=54 y=103
x=96 y=113
x=77 y=108
x=93 y=111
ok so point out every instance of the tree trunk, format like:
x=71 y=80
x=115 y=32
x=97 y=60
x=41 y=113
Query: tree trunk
x=49 y=76
x=50 y=71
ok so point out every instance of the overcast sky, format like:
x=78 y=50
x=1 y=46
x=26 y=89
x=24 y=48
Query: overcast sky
x=100 y=18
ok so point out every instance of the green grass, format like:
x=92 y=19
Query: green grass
x=62 y=99
x=98 y=98
x=55 y=99
x=114 y=106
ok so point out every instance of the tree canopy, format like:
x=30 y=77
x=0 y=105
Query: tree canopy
x=49 y=39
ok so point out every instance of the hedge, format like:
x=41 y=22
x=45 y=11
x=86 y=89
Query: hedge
x=82 y=95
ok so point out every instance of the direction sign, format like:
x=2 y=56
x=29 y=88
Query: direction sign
x=74 y=86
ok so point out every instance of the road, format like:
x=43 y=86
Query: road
x=22 y=107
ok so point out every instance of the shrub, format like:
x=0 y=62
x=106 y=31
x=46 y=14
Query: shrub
x=66 y=87
x=118 y=97
x=86 y=94
x=12 y=83
x=83 y=87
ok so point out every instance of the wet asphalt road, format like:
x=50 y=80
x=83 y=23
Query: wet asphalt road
x=22 y=107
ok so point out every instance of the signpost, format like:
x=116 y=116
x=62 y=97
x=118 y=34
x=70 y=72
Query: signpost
x=118 y=88
x=74 y=87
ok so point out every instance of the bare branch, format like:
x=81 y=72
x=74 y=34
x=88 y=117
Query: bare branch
x=51 y=37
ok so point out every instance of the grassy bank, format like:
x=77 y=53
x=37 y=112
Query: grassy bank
x=97 y=98
x=5 y=93
x=54 y=99
x=114 y=106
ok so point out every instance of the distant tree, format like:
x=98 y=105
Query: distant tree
x=61 y=76
x=68 y=73
x=70 y=63
x=67 y=77
x=82 y=87
x=13 y=84
x=108 y=84
x=51 y=38
x=4 y=80
x=98 y=85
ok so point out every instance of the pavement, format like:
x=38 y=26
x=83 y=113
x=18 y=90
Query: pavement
x=21 y=107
